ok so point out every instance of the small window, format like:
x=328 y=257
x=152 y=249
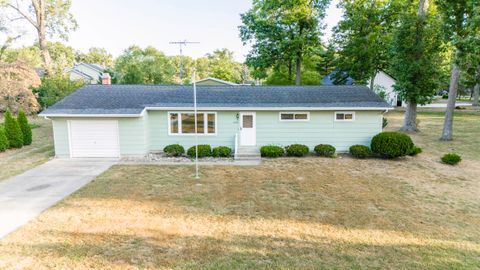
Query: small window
x=344 y=116
x=300 y=116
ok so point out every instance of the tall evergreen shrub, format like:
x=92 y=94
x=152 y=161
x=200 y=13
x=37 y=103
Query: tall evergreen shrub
x=25 y=127
x=13 y=131
x=3 y=140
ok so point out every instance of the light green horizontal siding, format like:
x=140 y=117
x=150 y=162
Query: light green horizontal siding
x=60 y=135
x=227 y=126
x=133 y=136
x=140 y=135
x=321 y=129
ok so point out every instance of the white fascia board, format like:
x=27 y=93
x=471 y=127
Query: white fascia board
x=271 y=108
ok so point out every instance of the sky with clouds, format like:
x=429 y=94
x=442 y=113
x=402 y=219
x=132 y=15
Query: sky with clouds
x=117 y=24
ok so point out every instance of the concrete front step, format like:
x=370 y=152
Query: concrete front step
x=248 y=153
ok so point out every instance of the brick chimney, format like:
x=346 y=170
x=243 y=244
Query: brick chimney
x=106 y=79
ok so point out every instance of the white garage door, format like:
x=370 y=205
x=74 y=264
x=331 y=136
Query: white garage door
x=94 y=138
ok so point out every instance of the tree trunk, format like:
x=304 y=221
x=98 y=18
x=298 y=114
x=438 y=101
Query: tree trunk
x=447 y=133
x=39 y=6
x=422 y=8
x=298 y=70
x=289 y=70
x=476 y=94
x=476 y=89
x=372 y=80
x=410 y=120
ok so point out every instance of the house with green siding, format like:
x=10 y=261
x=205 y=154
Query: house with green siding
x=134 y=120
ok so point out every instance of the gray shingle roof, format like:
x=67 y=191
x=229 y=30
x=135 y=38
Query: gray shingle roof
x=132 y=99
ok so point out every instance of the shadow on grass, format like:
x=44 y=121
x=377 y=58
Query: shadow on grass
x=161 y=249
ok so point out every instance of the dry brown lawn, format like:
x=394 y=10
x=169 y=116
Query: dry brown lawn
x=15 y=161
x=300 y=213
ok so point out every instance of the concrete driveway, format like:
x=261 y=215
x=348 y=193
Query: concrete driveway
x=25 y=196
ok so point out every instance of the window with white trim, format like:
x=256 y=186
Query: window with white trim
x=184 y=123
x=344 y=116
x=294 y=116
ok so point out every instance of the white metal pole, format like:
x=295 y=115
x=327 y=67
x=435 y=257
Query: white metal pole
x=195 y=113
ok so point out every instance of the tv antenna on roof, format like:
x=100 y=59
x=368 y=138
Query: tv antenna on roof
x=181 y=44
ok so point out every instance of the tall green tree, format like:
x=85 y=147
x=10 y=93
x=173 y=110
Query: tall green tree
x=53 y=89
x=95 y=55
x=416 y=49
x=48 y=18
x=363 y=36
x=461 y=26
x=144 y=66
x=327 y=62
x=282 y=32
x=224 y=67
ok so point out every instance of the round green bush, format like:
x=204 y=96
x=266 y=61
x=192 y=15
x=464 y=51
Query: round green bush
x=272 y=151
x=415 y=151
x=3 y=140
x=174 y=150
x=391 y=144
x=360 y=151
x=204 y=150
x=325 y=150
x=222 y=151
x=451 y=158
x=297 y=150
x=13 y=131
x=25 y=127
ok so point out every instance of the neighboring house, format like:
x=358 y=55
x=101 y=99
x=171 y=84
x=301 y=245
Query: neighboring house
x=90 y=73
x=383 y=85
x=214 y=81
x=335 y=75
x=133 y=120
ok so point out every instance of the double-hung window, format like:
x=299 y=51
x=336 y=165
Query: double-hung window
x=344 y=116
x=294 y=116
x=184 y=123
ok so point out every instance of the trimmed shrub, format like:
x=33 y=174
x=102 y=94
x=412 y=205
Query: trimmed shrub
x=272 y=151
x=204 y=150
x=3 y=140
x=25 y=127
x=415 y=151
x=222 y=151
x=174 y=150
x=451 y=158
x=391 y=144
x=13 y=131
x=325 y=150
x=360 y=151
x=297 y=150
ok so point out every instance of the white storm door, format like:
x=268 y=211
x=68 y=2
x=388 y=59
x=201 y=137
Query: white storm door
x=94 y=139
x=248 y=133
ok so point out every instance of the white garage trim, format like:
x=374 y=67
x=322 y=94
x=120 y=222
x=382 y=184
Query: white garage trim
x=83 y=132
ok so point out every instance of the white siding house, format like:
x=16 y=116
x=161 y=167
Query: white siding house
x=384 y=83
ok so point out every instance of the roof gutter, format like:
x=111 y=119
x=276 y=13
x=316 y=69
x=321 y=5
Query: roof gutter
x=272 y=108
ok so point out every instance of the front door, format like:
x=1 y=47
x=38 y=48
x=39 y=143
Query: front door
x=248 y=128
